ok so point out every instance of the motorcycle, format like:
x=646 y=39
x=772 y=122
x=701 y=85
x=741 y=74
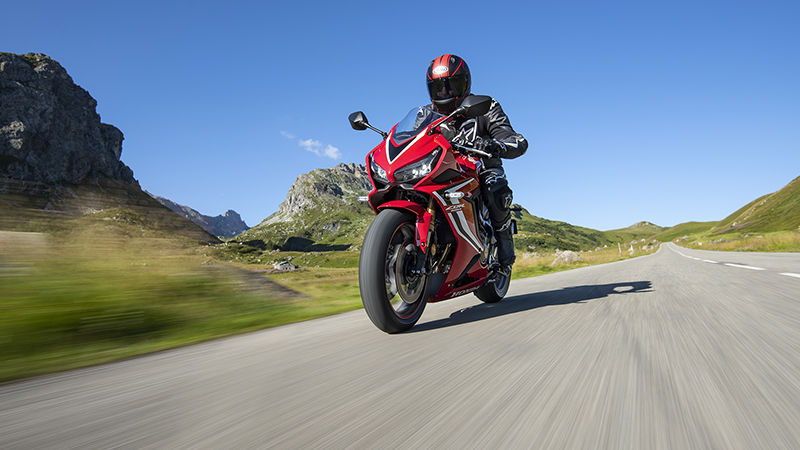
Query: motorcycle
x=432 y=238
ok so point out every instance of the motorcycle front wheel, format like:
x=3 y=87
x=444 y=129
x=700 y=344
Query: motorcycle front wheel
x=392 y=287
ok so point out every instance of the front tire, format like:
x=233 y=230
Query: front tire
x=393 y=297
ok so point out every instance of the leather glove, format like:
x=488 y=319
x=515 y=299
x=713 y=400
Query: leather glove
x=460 y=139
x=492 y=146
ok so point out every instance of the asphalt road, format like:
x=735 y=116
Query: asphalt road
x=663 y=351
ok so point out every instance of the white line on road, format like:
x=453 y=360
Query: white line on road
x=789 y=274
x=744 y=267
x=709 y=261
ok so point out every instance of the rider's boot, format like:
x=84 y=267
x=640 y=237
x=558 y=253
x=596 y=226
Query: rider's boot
x=505 y=247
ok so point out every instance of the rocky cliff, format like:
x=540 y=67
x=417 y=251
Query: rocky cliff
x=58 y=160
x=228 y=224
x=50 y=131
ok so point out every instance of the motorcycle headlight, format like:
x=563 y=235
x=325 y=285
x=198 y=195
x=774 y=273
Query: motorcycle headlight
x=377 y=171
x=419 y=169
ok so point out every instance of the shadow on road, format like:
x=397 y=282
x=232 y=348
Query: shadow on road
x=519 y=303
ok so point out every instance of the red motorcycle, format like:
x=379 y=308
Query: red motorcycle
x=432 y=238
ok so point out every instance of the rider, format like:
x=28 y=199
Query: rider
x=448 y=84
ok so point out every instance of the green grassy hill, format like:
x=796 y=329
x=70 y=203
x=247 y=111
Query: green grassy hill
x=776 y=212
x=779 y=211
x=536 y=233
x=683 y=229
x=640 y=230
x=768 y=223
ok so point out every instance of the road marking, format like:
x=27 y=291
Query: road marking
x=789 y=274
x=741 y=266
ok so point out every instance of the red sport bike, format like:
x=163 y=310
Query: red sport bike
x=432 y=238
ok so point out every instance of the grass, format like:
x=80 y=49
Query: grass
x=337 y=287
x=779 y=211
x=683 y=229
x=779 y=241
x=239 y=253
x=534 y=265
x=110 y=289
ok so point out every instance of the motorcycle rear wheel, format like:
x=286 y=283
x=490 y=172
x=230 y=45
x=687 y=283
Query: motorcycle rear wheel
x=384 y=273
x=494 y=291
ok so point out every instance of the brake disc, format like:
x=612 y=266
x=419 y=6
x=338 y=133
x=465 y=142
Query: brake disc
x=410 y=285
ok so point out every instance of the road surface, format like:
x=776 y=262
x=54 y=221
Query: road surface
x=680 y=349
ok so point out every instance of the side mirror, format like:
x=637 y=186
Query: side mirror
x=358 y=120
x=475 y=105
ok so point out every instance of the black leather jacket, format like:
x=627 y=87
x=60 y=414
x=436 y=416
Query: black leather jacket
x=495 y=125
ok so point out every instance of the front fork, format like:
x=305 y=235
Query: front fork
x=424 y=232
x=424 y=228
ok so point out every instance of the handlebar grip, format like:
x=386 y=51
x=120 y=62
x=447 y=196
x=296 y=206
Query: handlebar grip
x=473 y=150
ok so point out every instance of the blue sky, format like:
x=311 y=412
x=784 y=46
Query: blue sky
x=635 y=111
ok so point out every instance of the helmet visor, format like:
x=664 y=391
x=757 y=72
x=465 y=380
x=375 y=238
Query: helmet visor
x=444 y=88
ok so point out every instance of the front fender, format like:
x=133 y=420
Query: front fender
x=422 y=216
x=415 y=208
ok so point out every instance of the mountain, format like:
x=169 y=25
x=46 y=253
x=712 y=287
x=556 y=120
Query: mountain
x=779 y=211
x=322 y=212
x=683 y=229
x=539 y=233
x=228 y=224
x=49 y=130
x=59 y=161
x=639 y=230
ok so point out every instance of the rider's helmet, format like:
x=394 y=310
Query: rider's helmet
x=448 y=82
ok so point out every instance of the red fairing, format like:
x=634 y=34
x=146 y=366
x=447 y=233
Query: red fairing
x=447 y=190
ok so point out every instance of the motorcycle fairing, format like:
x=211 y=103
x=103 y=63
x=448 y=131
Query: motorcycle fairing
x=393 y=150
x=460 y=212
x=466 y=272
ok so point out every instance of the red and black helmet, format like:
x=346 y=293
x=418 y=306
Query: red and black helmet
x=448 y=82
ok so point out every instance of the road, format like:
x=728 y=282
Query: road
x=671 y=350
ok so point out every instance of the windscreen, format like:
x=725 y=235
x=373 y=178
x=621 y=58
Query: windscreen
x=415 y=121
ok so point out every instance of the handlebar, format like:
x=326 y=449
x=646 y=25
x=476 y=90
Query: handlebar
x=471 y=150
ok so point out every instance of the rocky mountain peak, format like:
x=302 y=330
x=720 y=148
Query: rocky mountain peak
x=50 y=131
x=228 y=224
x=323 y=189
x=644 y=224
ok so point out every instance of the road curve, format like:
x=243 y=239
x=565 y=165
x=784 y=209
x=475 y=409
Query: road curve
x=663 y=351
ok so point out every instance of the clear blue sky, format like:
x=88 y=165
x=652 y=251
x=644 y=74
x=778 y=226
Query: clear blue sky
x=635 y=111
